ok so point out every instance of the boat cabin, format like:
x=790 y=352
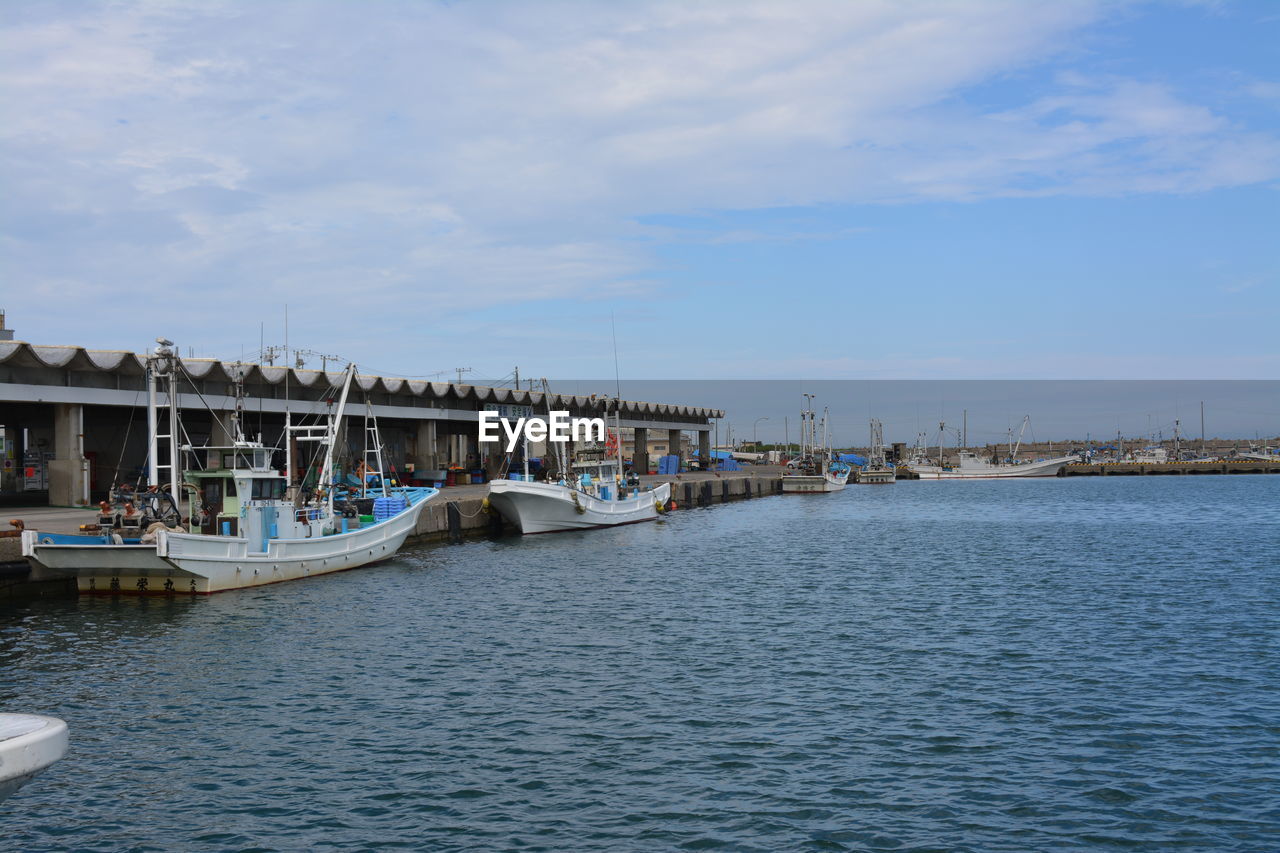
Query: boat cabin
x=245 y=497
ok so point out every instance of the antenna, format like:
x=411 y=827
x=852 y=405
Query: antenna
x=616 y=376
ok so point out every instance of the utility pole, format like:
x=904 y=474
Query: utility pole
x=462 y=370
x=1202 y=453
x=966 y=428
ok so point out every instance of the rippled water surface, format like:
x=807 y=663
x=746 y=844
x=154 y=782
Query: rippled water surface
x=1048 y=665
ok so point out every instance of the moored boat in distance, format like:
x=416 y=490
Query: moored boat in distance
x=971 y=466
x=590 y=497
x=583 y=493
x=816 y=469
x=877 y=470
x=249 y=531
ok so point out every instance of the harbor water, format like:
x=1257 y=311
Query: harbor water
x=1073 y=664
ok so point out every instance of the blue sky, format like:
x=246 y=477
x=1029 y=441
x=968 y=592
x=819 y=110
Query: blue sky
x=821 y=190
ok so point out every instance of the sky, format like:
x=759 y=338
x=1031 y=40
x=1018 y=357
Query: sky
x=721 y=190
x=983 y=411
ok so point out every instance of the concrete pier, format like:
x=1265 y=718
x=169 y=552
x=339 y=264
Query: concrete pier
x=1130 y=469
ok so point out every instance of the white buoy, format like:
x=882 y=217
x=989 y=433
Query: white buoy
x=29 y=743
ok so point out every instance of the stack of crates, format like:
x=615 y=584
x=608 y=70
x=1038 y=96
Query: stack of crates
x=384 y=508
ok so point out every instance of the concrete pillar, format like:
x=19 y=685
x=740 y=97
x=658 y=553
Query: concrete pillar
x=704 y=449
x=68 y=470
x=221 y=434
x=640 y=451
x=426 y=456
x=674 y=443
x=10 y=458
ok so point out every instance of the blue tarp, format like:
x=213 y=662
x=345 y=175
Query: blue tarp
x=852 y=459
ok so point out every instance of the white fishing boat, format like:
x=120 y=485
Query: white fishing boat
x=877 y=471
x=590 y=492
x=971 y=466
x=594 y=499
x=29 y=744
x=1259 y=454
x=815 y=469
x=252 y=526
x=1153 y=455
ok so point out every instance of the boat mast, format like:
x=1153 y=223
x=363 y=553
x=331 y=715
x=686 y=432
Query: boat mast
x=806 y=426
x=1026 y=419
x=331 y=437
x=161 y=363
x=153 y=467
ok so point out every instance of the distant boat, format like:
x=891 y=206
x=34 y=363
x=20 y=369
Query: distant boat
x=815 y=469
x=970 y=466
x=1153 y=455
x=1259 y=454
x=29 y=744
x=877 y=470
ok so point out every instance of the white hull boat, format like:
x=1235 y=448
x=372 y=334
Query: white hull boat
x=247 y=531
x=29 y=743
x=553 y=507
x=876 y=475
x=830 y=481
x=816 y=469
x=194 y=563
x=972 y=468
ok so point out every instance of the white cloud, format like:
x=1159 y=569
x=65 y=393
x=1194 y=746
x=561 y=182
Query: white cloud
x=488 y=153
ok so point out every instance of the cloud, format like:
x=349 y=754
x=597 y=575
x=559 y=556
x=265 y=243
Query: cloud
x=458 y=156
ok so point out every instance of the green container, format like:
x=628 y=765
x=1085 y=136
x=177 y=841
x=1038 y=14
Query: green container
x=366 y=519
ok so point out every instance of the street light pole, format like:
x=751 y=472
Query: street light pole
x=755 y=436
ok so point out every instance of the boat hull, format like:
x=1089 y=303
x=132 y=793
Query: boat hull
x=552 y=508
x=1044 y=468
x=795 y=484
x=187 y=563
x=29 y=743
x=876 y=476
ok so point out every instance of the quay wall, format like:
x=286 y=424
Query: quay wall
x=1123 y=469
x=459 y=514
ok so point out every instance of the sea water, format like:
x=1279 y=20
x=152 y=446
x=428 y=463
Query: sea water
x=1067 y=664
